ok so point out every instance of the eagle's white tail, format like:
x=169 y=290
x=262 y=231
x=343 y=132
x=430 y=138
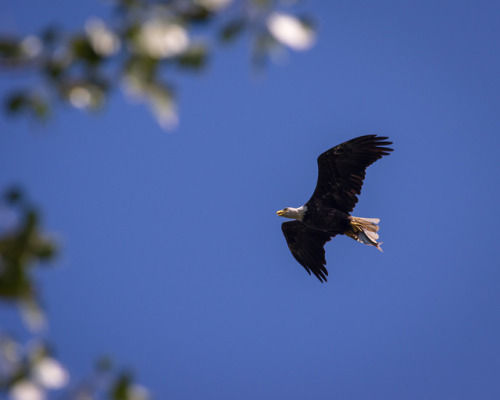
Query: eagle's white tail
x=365 y=230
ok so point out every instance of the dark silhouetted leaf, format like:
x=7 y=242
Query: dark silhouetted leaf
x=194 y=58
x=10 y=48
x=53 y=69
x=82 y=50
x=13 y=195
x=195 y=13
x=15 y=103
x=23 y=102
x=121 y=388
x=232 y=30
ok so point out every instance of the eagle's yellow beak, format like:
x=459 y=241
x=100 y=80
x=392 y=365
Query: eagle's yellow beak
x=280 y=212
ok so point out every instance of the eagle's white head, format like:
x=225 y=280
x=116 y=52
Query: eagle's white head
x=294 y=213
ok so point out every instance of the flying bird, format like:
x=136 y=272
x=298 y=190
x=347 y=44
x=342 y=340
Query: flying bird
x=341 y=171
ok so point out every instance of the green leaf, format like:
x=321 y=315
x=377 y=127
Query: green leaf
x=308 y=21
x=10 y=48
x=83 y=50
x=32 y=104
x=16 y=102
x=40 y=108
x=53 y=69
x=195 y=14
x=120 y=389
x=141 y=69
x=44 y=250
x=14 y=283
x=13 y=195
x=232 y=30
x=194 y=58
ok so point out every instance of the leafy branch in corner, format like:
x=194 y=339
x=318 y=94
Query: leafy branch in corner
x=31 y=370
x=143 y=47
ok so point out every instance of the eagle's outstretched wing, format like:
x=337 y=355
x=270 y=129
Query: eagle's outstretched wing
x=306 y=245
x=341 y=171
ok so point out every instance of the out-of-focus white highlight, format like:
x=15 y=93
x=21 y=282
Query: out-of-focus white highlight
x=213 y=5
x=159 y=100
x=32 y=46
x=10 y=352
x=138 y=392
x=160 y=38
x=33 y=315
x=290 y=31
x=26 y=390
x=164 y=109
x=50 y=373
x=102 y=39
x=80 y=97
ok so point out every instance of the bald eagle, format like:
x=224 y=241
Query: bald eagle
x=341 y=171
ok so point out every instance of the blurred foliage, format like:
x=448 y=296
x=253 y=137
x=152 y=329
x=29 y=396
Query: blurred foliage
x=107 y=382
x=31 y=371
x=28 y=372
x=143 y=45
x=23 y=247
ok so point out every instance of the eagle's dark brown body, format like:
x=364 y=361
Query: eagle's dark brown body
x=341 y=171
x=330 y=220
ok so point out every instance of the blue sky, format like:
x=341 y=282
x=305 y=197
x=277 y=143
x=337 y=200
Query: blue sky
x=173 y=259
